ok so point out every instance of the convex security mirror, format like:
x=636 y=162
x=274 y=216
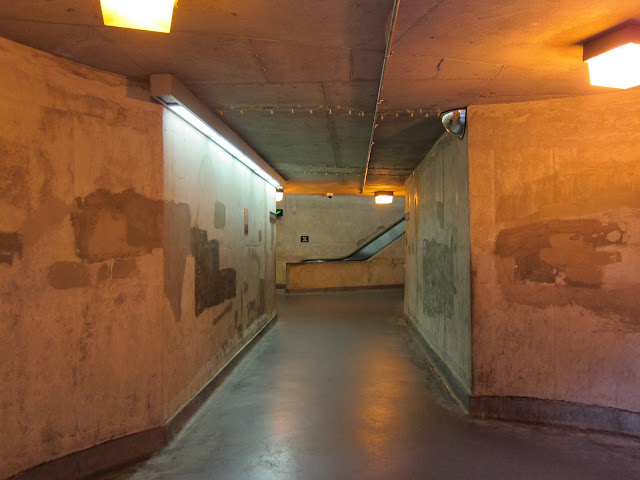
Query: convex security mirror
x=455 y=121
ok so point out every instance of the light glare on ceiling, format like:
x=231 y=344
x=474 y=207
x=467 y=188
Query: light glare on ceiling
x=152 y=15
x=617 y=68
x=382 y=198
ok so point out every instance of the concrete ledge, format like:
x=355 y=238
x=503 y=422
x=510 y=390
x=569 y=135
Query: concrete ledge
x=138 y=446
x=342 y=289
x=375 y=272
x=455 y=387
x=554 y=412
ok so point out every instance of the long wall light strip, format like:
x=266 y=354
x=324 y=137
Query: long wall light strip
x=167 y=90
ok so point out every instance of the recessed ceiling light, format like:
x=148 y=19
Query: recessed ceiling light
x=614 y=57
x=152 y=15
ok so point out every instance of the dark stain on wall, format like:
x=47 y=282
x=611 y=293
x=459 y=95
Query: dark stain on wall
x=124 y=268
x=440 y=213
x=67 y=275
x=251 y=310
x=562 y=252
x=177 y=231
x=14 y=186
x=116 y=225
x=262 y=298
x=219 y=215
x=104 y=273
x=213 y=285
x=226 y=310
x=10 y=246
x=437 y=267
x=238 y=324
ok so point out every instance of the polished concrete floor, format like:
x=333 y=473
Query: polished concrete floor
x=338 y=389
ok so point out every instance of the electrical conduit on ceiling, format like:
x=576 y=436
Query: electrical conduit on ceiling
x=387 y=53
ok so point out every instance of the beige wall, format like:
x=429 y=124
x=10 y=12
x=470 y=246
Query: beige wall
x=555 y=241
x=437 y=286
x=336 y=226
x=384 y=269
x=100 y=335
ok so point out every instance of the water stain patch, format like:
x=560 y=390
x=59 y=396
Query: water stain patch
x=563 y=252
x=177 y=228
x=219 y=215
x=68 y=275
x=124 y=268
x=116 y=225
x=437 y=267
x=212 y=284
x=10 y=247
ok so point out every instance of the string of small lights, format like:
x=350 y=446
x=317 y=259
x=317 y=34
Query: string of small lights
x=326 y=109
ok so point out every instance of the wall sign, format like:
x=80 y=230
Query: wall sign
x=272 y=217
x=304 y=239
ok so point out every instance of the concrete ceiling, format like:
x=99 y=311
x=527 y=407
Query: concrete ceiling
x=256 y=61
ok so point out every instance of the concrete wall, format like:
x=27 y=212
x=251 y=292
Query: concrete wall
x=336 y=227
x=437 y=286
x=384 y=269
x=219 y=281
x=80 y=263
x=104 y=331
x=555 y=241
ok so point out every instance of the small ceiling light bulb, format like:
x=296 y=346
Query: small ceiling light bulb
x=383 y=197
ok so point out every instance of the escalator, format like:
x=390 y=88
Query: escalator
x=372 y=247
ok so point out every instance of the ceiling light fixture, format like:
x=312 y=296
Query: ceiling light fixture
x=455 y=121
x=382 y=198
x=171 y=93
x=614 y=57
x=151 y=15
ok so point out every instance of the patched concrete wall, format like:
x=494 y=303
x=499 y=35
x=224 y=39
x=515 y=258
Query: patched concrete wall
x=81 y=262
x=219 y=280
x=384 y=269
x=336 y=227
x=126 y=277
x=555 y=235
x=437 y=285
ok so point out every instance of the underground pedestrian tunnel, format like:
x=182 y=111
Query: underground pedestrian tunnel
x=310 y=241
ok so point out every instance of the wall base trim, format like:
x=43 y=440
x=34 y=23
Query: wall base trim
x=457 y=390
x=556 y=412
x=121 y=451
x=342 y=289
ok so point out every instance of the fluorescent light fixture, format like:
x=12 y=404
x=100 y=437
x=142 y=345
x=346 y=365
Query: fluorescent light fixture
x=152 y=15
x=614 y=57
x=279 y=194
x=188 y=116
x=382 y=198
